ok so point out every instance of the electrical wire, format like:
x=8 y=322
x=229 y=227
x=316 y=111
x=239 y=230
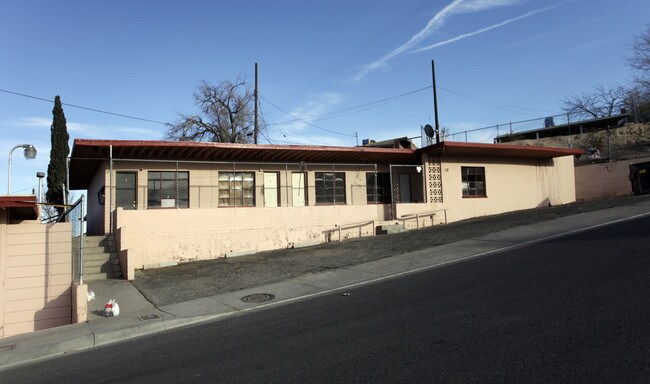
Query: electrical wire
x=85 y=108
x=305 y=121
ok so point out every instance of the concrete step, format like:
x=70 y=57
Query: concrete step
x=390 y=228
x=99 y=241
x=101 y=260
x=96 y=250
x=88 y=264
x=102 y=276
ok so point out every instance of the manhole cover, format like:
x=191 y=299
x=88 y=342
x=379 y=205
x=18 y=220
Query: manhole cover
x=258 y=298
x=148 y=317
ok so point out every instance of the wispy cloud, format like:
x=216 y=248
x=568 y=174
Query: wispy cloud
x=454 y=8
x=31 y=122
x=483 y=30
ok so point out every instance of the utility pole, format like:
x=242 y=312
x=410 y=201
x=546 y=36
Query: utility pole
x=256 y=129
x=435 y=101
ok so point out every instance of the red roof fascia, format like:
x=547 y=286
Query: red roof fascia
x=18 y=201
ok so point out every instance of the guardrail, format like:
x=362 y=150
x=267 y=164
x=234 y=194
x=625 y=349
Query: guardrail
x=418 y=215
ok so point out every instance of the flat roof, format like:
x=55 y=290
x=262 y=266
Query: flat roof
x=22 y=207
x=87 y=155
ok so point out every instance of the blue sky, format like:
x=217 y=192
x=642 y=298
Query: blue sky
x=324 y=67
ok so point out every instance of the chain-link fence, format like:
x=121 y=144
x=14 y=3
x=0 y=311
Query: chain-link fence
x=568 y=121
x=75 y=216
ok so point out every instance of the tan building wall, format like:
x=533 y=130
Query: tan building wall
x=596 y=181
x=153 y=237
x=510 y=185
x=35 y=269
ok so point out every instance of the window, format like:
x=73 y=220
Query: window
x=378 y=189
x=168 y=189
x=236 y=189
x=473 y=181
x=330 y=187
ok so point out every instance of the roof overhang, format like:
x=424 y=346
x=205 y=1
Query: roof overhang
x=88 y=155
x=21 y=207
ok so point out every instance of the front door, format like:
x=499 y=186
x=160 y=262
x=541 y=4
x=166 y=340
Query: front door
x=125 y=192
x=271 y=191
x=298 y=189
x=404 y=187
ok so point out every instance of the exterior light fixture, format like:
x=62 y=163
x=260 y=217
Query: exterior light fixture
x=29 y=152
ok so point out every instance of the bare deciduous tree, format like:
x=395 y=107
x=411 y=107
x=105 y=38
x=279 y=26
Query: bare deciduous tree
x=225 y=114
x=602 y=102
x=640 y=59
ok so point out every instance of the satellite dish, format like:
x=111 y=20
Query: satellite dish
x=428 y=129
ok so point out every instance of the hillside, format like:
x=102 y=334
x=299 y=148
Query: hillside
x=628 y=142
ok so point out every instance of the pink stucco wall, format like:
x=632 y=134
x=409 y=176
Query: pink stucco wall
x=36 y=275
x=595 y=181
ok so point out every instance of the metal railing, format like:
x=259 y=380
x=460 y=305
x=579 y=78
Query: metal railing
x=359 y=225
x=419 y=215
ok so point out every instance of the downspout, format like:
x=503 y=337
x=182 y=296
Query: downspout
x=286 y=184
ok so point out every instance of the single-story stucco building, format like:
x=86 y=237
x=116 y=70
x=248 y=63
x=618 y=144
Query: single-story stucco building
x=169 y=202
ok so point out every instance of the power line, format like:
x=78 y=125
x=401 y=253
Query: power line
x=357 y=108
x=85 y=108
x=305 y=121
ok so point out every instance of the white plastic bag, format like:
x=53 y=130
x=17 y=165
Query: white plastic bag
x=111 y=308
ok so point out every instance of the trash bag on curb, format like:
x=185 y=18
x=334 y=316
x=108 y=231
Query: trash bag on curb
x=111 y=308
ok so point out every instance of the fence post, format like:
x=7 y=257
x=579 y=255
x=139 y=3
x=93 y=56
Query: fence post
x=81 y=241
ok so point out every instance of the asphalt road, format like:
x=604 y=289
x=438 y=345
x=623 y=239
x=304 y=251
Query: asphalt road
x=574 y=309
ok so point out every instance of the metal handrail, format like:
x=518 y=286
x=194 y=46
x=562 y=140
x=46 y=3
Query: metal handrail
x=359 y=224
x=417 y=216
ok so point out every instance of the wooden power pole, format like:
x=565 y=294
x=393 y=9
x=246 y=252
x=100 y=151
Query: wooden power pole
x=256 y=129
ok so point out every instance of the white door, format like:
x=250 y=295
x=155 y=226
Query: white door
x=271 y=189
x=404 y=188
x=298 y=189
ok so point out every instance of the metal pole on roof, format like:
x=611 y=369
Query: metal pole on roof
x=110 y=189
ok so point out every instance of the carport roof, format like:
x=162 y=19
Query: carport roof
x=87 y=154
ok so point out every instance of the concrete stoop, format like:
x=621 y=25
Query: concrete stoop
x=390 y=228
x=101 y=260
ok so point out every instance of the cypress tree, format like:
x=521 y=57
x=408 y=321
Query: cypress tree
x=56 y=170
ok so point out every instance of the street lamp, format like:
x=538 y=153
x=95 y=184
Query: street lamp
x=30 y=153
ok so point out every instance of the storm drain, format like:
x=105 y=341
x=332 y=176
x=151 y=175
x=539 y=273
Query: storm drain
x=148 y=317
x=257 y=298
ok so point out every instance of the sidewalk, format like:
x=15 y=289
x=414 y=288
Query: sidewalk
x=139 y=317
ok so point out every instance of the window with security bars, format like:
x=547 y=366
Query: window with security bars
x=473 y=179
x=330 y=187
x=378 y=187
x=236 y=189
x=168 y=189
